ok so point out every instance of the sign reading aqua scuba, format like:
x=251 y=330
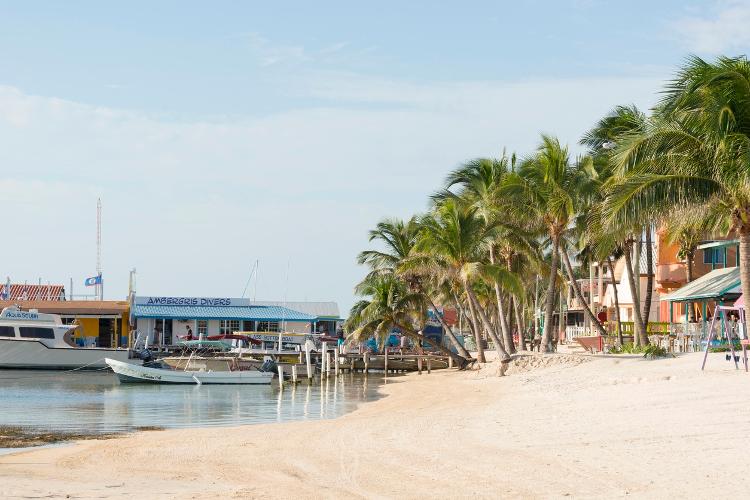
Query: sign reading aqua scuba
x=191 y=301
x=20 y=315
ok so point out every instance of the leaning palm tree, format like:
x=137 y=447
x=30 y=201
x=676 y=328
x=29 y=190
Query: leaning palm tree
x=695 y=154
x=478 y=184
x=390 y=305
x=453 y=240
x=397 y=238
x=548 y=186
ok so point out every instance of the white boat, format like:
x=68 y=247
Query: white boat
x=165 y=374
x=30 y=339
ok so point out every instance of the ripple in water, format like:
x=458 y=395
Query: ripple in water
x=95 y=402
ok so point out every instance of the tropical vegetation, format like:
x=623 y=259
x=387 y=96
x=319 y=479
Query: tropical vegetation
x=503 y=237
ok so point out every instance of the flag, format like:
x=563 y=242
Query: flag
x=94 y=280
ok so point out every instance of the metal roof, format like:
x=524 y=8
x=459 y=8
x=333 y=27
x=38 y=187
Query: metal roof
x=32 y=292
x=327 y=310
x=249 y=313
x=718 y=244
x=713 y=285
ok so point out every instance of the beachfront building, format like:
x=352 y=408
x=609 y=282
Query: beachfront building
x=100 y=323
x=164 y=320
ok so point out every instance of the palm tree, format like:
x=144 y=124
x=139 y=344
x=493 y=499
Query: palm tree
x=548 y=188
x=694 y=155
x=602 y=139
x=390 y=305
x=479 y=182
x=398 y=238
x=453 y=239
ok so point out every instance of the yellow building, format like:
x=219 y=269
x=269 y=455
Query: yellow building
x=104 y=323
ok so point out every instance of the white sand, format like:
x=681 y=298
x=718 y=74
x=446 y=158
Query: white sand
x=610 y=427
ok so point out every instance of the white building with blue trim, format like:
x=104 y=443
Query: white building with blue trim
x=166 y=319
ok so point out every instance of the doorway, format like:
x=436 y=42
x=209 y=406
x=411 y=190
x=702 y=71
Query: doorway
x=106 y=332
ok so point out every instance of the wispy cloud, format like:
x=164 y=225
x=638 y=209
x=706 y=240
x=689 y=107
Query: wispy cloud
x=720 y=29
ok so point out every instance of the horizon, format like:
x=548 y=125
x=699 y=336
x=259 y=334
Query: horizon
x=218 y=136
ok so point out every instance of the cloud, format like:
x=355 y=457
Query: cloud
x=723 y=29
x=192 y=203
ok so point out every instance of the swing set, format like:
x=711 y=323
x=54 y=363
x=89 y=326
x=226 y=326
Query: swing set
x=722 y=312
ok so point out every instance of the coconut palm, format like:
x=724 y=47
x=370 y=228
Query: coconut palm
x=398 y=238
x=390 y=305
x=602 y=139
x=454 y=239
x=695 y=154
x=548 y=188
x=479 y=183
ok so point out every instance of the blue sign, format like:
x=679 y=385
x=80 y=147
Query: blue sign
x=94 y=280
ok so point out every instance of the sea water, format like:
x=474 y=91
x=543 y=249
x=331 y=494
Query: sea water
x=95 y=402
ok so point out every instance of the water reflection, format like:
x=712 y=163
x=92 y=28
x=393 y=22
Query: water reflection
x=96 y=402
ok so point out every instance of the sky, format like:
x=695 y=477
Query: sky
x=222 y=133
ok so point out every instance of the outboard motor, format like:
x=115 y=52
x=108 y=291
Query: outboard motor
x=145 y=355
x=268 y=366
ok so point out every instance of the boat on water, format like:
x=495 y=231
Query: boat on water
x=212 y=371
x=40 y=341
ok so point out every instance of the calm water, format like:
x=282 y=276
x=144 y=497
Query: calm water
x=96 y=402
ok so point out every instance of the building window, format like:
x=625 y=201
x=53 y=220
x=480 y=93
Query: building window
x=202 y=328
x=229 y=326
x=713 y=256
x=268 y=326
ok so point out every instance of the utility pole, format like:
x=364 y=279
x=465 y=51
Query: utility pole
x=100 y=284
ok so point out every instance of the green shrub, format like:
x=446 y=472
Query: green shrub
x=652 y=351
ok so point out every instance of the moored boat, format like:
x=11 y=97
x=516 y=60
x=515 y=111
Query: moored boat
x=162 y=373
x=30 y=339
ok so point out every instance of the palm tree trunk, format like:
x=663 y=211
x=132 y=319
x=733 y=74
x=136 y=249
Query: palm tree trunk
x=549 y=306
x=501 y=352
x=505 y=331
x=460 y=361
x=520 y=324
x=477 y=332
x=689 y=277
x=461 y=350
x=617 y=300
x=649 y=278
x=510 y=346
x=577 y=290
x=638 y=328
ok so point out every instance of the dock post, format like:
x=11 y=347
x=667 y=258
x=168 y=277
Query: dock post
x=323 y=367
x=385 y=361
x=294 y=374
x=336 y=362
x=450 y=362
x=281 y=376
x=419 y=364
x=328 y=363
x=366 y=359
x=308 y=361
x=429 y=364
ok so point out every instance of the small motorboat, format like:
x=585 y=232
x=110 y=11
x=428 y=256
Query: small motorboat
x=226 y=371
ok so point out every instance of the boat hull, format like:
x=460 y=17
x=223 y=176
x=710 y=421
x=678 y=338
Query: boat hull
x=131 y=373
x=34 y=354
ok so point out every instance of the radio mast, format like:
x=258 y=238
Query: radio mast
x=100 y=285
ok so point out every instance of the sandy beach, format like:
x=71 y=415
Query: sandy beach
x=560 y=425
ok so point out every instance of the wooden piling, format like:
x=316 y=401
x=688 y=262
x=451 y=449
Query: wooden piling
x=385 y=362
x=429 y=364
x=294 y=374
x=366 y=359
x=309 y=363
x=281 y=376
x=323 y=367
x=419 y=364
x=328 y=363
x=336 y=363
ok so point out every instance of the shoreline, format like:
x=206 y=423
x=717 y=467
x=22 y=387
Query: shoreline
x=606 y=427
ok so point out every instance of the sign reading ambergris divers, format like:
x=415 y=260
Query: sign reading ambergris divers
x=191 y=301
